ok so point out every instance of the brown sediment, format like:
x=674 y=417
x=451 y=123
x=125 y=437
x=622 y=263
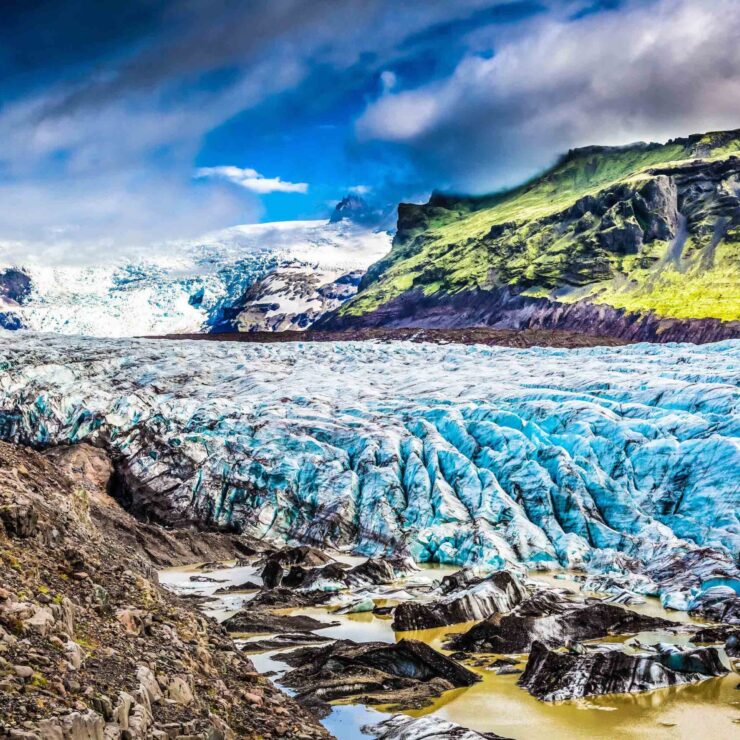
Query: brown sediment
x=462 y=335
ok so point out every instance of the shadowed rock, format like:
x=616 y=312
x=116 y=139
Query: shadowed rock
x=719 y=604
x=478 y=599
x=264 y=622
x=726 y=634
x=407 y=674
x=277 y=562
x=283 y=641
x=332 y=575
x=552 y=676
x=279 y=598
x=402 y=727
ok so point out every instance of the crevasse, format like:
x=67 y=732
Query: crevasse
x=468 y=455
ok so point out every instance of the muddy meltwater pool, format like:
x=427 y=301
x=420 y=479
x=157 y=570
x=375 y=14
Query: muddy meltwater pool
x=710 y=708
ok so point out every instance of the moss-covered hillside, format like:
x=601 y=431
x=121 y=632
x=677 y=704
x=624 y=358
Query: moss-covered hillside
x=648 y=227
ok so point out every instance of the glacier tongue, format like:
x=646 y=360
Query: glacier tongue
x=457 y=454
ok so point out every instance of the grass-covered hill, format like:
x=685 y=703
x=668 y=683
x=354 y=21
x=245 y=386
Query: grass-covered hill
x=652 y=229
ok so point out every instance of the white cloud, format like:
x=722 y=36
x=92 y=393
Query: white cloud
x=388 y=80
x=360 y=189
x=649 y=71
x=252 y=180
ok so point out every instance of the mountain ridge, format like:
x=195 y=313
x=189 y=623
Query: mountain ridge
x=648 y=233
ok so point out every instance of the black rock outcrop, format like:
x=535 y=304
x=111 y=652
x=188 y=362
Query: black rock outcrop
x=407 y=674
x=552 y=676
x=475 y=599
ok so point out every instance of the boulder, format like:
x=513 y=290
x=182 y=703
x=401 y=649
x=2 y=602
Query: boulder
x=376 y=572
x=718 y=604
x=473 y=600
x=277 y=563
x=402 y=727
x=726 y=634
x=552 y=676
x=286 y=597
x=264 y=622
x=407 y=673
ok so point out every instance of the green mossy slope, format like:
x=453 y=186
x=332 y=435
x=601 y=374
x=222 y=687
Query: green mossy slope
x=647 y=227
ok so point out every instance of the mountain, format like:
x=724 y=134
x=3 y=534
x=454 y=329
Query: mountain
x=360 y=211
x=291 y=297
x=640 y=242
x=196 y=286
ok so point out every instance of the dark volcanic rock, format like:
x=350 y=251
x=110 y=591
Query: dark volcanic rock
x=286 y=597
x=402 y=727
x=408 y=673
x=718 y=604
x=278 y=571
x=309 y=578
x=502 y=308
x=552 y=676
x=726 y=634
x=729 y=636
x=235 y=587
x=375 y=571
x=15 y=285
x=553 y=621
x=288 y=640
x=256 y=622
x=692 y=570
x=478 y=599
x=276 y=563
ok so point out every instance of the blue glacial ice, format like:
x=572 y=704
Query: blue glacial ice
x=475 y=455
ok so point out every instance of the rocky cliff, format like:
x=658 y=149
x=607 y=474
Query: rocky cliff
x=639 y=242
x=90 y=645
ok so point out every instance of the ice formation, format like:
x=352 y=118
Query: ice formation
x=600 y=457
x=184 y=287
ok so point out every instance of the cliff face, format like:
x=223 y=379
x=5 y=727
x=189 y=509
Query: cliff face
x=92 y=645
x=638 y=242
x=504 y=309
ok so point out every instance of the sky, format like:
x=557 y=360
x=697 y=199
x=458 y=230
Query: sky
x=127 y=124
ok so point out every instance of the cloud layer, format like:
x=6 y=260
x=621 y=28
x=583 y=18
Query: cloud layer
x=113 y=137
x=647 y=71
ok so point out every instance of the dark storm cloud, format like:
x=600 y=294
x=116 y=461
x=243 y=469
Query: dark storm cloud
x=107 y=107
x=644 y=71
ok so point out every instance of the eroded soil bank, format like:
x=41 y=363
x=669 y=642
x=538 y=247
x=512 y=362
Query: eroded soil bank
x=91 y=646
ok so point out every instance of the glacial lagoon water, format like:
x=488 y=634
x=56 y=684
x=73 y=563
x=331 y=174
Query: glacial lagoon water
x=710 y=709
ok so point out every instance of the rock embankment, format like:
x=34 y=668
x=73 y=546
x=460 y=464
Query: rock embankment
x=90 y=645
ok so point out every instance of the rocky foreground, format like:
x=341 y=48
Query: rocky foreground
x=90 y=645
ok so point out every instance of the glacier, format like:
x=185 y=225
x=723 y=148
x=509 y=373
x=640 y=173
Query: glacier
x=606 y=459
x=182 y=287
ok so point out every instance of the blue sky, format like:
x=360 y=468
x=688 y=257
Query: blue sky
x=123 y=124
